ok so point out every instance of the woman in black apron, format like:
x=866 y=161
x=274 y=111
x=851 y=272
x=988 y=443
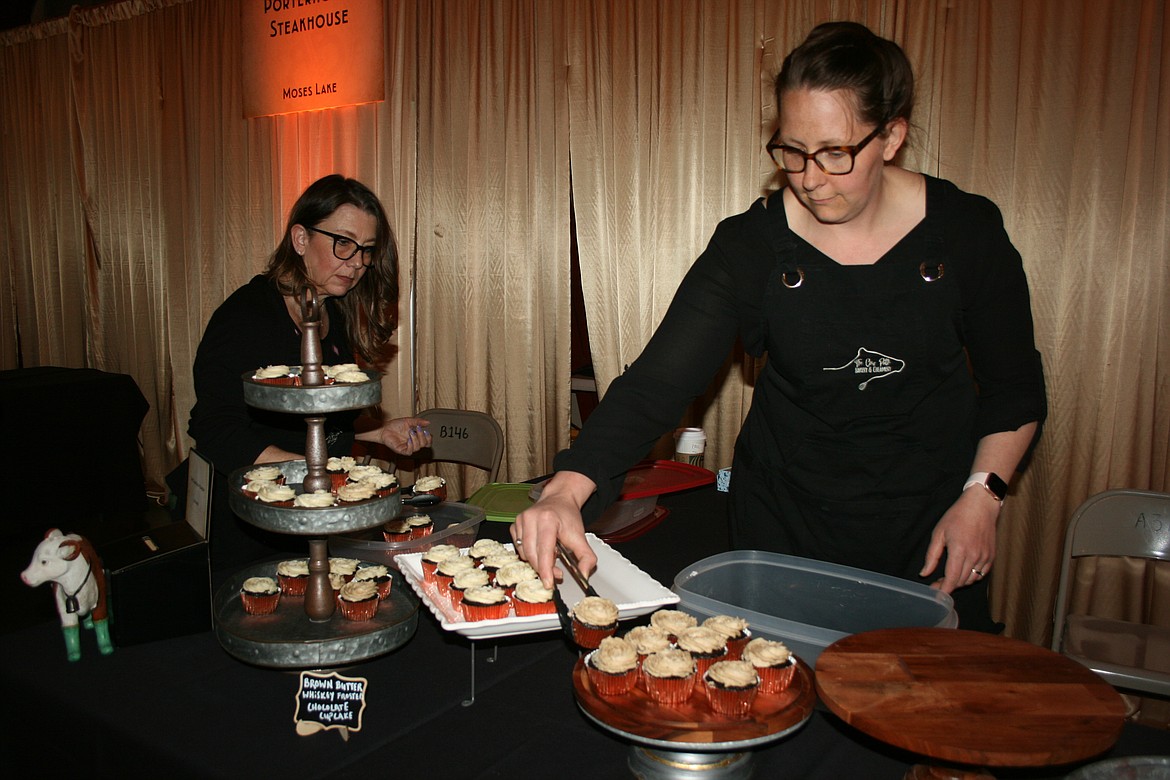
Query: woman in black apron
x=901 y=374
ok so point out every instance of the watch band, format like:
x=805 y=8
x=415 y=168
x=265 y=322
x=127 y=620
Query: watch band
x=989 y=481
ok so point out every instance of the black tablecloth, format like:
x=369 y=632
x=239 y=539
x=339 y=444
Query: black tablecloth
x=185 y=708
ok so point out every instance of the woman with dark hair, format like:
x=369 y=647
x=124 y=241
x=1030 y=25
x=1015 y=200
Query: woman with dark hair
x=902 y=387
x=339 y=243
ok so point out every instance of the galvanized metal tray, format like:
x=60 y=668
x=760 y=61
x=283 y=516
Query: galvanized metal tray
x=308 y=521
x=319 y=399
x=288 y=639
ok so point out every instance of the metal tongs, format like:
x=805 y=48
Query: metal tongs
x=570 y=563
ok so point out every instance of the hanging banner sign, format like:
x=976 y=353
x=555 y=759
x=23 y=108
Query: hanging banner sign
x=301 y=55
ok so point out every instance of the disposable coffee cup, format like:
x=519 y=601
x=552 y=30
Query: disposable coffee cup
x=690 y=445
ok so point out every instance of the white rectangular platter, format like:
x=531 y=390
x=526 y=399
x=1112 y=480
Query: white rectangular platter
x=632 y=589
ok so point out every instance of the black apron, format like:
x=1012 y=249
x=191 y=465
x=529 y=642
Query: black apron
x=860 y=434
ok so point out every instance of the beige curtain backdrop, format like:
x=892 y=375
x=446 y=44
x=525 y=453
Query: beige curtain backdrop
x=136 y=197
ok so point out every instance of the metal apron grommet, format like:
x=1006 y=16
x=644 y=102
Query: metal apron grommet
x=793 y=285
x=931 y=272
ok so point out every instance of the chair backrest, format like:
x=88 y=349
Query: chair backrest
x=1134 y=523
x=463 y=436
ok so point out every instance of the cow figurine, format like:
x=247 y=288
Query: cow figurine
x=71 y=564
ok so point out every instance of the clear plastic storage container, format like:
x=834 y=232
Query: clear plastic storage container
x=454 y=523
x=807 y=604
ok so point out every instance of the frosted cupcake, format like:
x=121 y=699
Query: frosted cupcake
x=512 y=574
x=340 y=368
x=420 y=526
x=436 y=486
x=493 y=563
x=293 y=576
x=484 y=603
x=276 y=495
x=731 y=688
x=266 y=473
x=530 y=597
x=705 y=645
x=672 y=621
x=352 y=492
x=464 y=581
x=436 y=555
x=397 y=530
x=260 y=595
x=669 y=676
x=484 y=548
x=593 y=619
x=773 y=662
x=613 y=667
x=383 y=484
x=735 y=629
x=647 y=640
x=338 y=469
x=447 y=569
x=377 y=574
x=358 y=600
x=315 y=500
x=359 y=472
x=275 y=375
x=344 y=566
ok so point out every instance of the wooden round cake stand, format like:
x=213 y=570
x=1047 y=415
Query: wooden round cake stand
x=688 y=739
x=971 y=699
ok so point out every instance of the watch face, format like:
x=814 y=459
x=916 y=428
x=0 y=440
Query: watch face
x=997 y=486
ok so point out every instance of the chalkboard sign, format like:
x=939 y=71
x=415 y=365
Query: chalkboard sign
x=330 y=701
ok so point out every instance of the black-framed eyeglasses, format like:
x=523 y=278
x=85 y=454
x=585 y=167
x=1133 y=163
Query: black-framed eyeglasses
x=344 y=247
x=833 y=160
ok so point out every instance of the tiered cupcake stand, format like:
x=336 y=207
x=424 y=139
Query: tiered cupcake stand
x=308 y=632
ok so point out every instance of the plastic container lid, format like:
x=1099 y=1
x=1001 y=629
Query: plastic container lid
x=804 y=603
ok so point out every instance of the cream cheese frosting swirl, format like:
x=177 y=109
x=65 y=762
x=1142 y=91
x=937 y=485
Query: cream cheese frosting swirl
x=271 y=492
x=500 y=559
x=485 y=595
x=318 y=498
x=440 y=552
x=452 y=566
x=484 y=547
x=355 y=491
x=470 y=578
x=596 y=611
x=352 y=377
x=766 y=652
x=270 y=473
x=272 y=372
x=340 y=368
x=669 y=663
x=260 y=586
x=418 y=521
x=672 y=621
x=373 y=571
x=358 y=473
x=648 y=639
x=344 y=463
x=702 y=641
x=731 y=627
x=614 y=656
x=298 y=567
x=359 y=590
x=428 y=483
x=344 y=566
x=733 y=674
x=532 y=592
x=514 y=573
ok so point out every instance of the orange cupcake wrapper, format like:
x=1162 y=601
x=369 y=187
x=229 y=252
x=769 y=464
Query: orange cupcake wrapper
x=611 y=684
x=589 y=637
x=260 y=605
x=358 y=610
x=292 y=586
x=776 y=679
x=526 y=608
x=474 y=612
x=729 y=702
x=669 y=690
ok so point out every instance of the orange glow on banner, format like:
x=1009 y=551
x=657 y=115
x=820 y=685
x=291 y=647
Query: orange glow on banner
x=308 y=54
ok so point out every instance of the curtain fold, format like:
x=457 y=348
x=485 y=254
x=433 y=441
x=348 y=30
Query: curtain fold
x=135 y=197
x=493 y=215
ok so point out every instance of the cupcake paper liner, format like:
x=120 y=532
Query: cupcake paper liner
x=527 y=608
x=608 y=684
x=668 y=690
x=292 y=586
x=730 y=702
x=776 y=679
x=256 y=604
x=358 y=610
x=473 y=612
x=589 y=637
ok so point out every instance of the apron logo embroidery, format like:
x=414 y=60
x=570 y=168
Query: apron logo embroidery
x=877 y=365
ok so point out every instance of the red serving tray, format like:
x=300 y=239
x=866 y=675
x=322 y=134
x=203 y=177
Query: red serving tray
x=656 y=477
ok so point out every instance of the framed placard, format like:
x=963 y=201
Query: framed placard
x=327 y=700
x=301 y=55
